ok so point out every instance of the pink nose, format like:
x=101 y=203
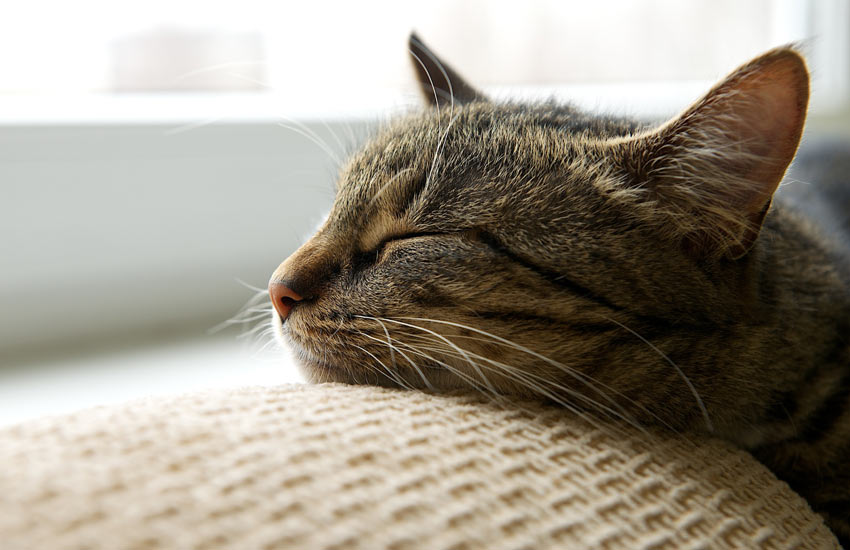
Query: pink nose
x=283 y=298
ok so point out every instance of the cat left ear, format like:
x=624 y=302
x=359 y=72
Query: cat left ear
x=714 y=168
x=439 y=82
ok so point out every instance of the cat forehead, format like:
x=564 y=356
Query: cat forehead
x=486 y=116
x=427 y=167
x=485 y=132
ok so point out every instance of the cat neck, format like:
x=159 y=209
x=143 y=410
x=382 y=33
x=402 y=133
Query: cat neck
x=802 y=275
x=798 y=333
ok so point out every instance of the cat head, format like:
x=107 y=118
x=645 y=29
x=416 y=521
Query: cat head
x=524 y=248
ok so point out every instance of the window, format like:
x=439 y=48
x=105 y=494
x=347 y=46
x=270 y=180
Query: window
x=340 y=57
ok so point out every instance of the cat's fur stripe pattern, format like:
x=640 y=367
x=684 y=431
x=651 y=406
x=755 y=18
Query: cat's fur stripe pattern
x=641 y=272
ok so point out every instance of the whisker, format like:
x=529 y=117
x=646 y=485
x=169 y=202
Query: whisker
x=563 y=368
x=393 y=349
x=473 y=383
x=304 y=131
x=439 y=150
x=708 y=423
x=263 y=348
x=252 y=287
x=447 y=341
x=588 y=380
x=516 y=375
x=390 y=373
x=441 y=69
x=535 y=383
x=333 y=135
x=253 y=331
x=246 y=320
x=389 y=344
x=247 y=311
x=540 y=391
x=430 y=80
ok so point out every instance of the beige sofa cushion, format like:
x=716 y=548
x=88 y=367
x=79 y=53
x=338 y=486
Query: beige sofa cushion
x=345 y=467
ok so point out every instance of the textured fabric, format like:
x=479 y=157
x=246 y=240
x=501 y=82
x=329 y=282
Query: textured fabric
x=345 y=467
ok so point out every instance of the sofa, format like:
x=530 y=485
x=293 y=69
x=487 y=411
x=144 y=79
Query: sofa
x=336 y=467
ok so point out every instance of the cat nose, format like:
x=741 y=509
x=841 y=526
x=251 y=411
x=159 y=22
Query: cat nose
x=283 y=298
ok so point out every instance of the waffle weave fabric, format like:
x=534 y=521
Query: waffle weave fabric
x=350 y=467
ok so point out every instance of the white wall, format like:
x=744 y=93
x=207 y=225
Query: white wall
x=135 y=230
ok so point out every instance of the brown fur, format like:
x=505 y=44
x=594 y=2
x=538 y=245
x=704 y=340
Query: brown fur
x=639 y=272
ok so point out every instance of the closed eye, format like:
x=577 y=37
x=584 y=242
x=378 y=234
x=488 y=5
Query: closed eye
x=473 y=234
x=370 y=257
x=403 y=237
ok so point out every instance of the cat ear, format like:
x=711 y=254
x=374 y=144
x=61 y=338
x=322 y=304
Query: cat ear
x=715 y=167
x=438 y=81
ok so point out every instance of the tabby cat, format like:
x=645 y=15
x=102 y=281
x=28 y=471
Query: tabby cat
x=637 y=271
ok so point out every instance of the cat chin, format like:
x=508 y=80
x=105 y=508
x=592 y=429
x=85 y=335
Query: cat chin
x=317 y=370
x=312 y=368
x=325 y=369
x=306 y=364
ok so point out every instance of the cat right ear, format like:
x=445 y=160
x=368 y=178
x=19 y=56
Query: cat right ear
x=713 y=170
x=440 y=84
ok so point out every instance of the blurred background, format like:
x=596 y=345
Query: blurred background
x=158 y=159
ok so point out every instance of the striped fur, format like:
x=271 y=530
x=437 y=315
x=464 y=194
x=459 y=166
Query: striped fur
x=617 y=270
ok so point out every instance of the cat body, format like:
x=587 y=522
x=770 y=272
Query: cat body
x=638 y=272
